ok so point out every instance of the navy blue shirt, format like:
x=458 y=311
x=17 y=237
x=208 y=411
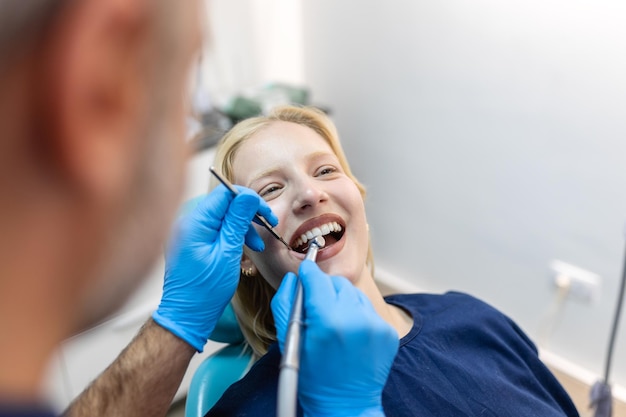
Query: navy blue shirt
x=24 y=410
x=461 y=358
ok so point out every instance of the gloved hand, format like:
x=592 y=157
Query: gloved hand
x=202 y=265
x=347 y=348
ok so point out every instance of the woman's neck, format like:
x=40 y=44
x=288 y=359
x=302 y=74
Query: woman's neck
x=397 y=317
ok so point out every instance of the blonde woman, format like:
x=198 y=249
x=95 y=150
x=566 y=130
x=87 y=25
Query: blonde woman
x=457 y=355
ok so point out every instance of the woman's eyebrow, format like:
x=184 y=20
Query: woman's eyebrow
x=321 y=154
x=275 y=170
x=263 y=174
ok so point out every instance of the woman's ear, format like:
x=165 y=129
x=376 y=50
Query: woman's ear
x=248 y=268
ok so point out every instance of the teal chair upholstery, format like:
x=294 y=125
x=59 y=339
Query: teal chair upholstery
x=219 y=370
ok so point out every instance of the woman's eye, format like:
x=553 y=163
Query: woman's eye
x=326 y=170
x=269 y=190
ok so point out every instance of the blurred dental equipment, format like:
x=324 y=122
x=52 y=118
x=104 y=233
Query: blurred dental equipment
x=290 y=362
x=258 y=217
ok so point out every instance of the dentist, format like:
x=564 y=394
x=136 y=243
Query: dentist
x=92 y=156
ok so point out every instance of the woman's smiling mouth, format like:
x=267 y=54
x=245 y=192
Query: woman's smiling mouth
x=330 y=227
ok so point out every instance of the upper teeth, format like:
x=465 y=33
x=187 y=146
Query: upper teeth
x=322 y=230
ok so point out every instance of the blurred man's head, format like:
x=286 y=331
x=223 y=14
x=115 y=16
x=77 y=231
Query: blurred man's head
x=92 y=144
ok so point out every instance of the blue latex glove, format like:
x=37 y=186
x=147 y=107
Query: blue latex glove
x=347 y=348
x=202 y=265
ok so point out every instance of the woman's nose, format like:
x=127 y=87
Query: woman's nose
x=310 y=194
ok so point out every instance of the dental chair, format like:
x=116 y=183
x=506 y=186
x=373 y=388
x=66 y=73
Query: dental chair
x=221 y=369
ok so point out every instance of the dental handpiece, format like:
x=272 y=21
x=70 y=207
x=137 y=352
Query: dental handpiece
x=290 y=363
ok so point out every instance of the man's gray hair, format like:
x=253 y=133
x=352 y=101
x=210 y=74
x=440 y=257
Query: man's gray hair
x=22 y=20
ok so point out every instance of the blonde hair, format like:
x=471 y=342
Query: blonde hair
x=253 y=296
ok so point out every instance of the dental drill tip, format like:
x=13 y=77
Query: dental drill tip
x=315 y=244
x=319 y=241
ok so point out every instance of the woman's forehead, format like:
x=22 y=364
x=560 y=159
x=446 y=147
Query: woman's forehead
x=281 y=133
x=278 y=143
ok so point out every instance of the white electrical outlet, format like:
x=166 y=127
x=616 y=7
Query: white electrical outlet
x=579 y=283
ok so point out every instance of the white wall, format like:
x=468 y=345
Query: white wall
x=492 y=138
x=249 y=43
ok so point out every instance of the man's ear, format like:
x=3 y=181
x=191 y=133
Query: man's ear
x=97 y=89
